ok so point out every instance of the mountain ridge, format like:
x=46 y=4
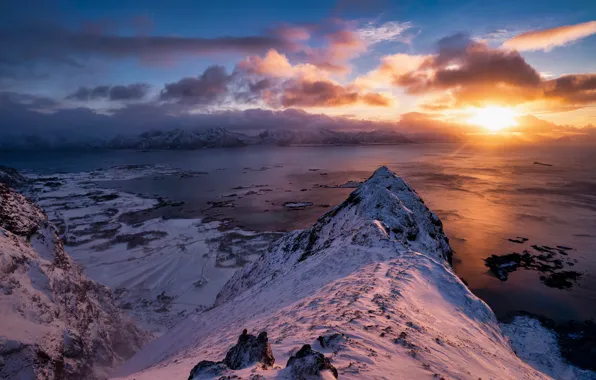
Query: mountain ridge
x=375 y=273
x=204 y=138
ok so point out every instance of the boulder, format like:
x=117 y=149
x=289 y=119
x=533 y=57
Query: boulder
x=250 y=350
x=306 y=364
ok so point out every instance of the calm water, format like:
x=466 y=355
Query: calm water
x=483 y=195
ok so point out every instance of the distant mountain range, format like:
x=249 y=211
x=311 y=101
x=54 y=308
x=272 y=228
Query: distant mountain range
x=202 y=138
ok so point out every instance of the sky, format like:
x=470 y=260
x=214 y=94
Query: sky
x=145 y=63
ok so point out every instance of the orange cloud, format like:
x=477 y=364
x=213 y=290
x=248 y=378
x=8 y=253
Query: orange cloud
x=275 y=64
x=391 y=67
x=547 y=39
x=304 y=93
x=473 y=74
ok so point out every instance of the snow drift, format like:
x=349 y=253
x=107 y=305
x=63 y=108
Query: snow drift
x=55 y=323
x=369 y=286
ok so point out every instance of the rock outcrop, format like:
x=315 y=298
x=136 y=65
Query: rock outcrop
x=55 y=322
x=308 y=364
x=12 y=177
x=248 y=350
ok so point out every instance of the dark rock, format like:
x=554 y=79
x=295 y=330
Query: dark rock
x=250 y=350
x=541 y=163
x=307 y=363
x=545 y=262
x=73 y=345
x=206 y=368
x=332 y=340
x=519 y=240
x=561 y=280
x=12 y=177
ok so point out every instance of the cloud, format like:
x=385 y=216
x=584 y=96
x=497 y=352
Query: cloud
x=65 y=46
x=135 y=91
x=211 y=87
x=473 y=73
x=391 y=68
x=304 y=93
x=391 y=31
x=276 y=82
x=546 y=39
x=20 y=116
x=572 y=89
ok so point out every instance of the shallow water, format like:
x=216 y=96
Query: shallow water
x=484 y=196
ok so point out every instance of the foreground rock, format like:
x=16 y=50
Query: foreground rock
x=55 y=322
x=308 y=364
x=372 y=278
x=12 y=177
x=248 y=350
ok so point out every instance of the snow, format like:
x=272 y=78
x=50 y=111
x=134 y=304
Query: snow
x=538 y=346
x=44 y=295
x=374 y=270
x=175 y=268
x=369 y=285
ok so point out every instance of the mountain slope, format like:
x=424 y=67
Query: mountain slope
x=55 y=322
x=369 y=285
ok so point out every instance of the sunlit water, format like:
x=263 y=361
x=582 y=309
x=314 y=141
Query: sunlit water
x=483 y=195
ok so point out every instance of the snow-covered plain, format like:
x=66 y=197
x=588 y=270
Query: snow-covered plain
x=160 y=269
x=375 y=270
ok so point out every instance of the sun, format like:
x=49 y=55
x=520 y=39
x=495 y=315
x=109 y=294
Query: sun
x=493 y=118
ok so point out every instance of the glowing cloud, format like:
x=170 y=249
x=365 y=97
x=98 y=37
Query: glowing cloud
x=546 y=39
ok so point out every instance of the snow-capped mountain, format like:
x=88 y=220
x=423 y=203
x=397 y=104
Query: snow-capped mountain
x=178 y=139
x=219 y=137
x=366 y=292
x=330 y=137
x=55 y=323
x=200 y=138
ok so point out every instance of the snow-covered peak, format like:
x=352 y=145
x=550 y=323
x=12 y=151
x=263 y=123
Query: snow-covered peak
x=368 y=286
x=384 y=214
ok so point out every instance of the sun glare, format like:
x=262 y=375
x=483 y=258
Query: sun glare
x=493 y=118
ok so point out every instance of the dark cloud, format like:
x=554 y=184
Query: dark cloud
x=135 y=91
x=20 y=115
x=215 y=87
x=474 y=72
x=579 y=88
x=59 y=45
x=211 y=87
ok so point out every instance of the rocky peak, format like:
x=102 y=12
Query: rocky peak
x=384 y=212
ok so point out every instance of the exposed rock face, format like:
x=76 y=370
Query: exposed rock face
x=55 y=323
x=11 y=177
x=307 y=364
x=250 y=350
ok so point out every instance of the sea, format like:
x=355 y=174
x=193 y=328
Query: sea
x=485 y=196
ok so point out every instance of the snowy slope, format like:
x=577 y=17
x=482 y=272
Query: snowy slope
x=55 y=322
x=374 y=270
